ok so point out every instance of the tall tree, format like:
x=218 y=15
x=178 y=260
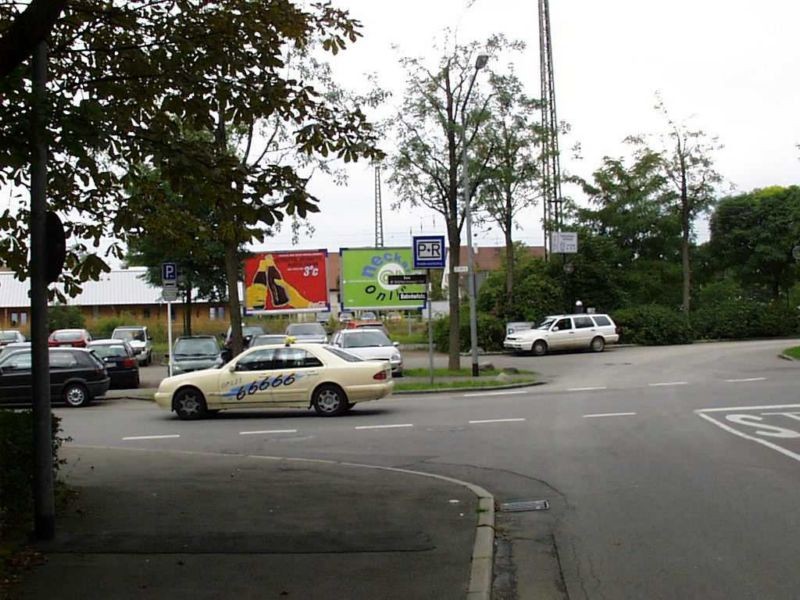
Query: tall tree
x=688 y=164
x=752 y=236
x=440 y=104
x=511 y=140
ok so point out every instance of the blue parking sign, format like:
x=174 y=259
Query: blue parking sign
x=169 y=272
x=429 y=252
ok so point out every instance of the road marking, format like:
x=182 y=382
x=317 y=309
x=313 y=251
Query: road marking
x=496 y=421
x=780 y=449
x=481 y=394
x=625 y=414
x=385 y=426
x=665 y=383
x=587 y=389
x=268 y=431
x=734 y=408
x=150 y=437
x=746 y=379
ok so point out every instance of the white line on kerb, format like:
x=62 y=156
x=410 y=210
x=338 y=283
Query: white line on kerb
x=746 y=379
x=626 y=414
x=496 y=421
x=482 y=394
x=385 y=426
x=587 y=389
x=150 y=437
x=268 y=431
x=664 y=383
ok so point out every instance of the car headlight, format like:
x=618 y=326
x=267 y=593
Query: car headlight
x=396 y=358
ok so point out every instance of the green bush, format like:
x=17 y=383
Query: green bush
x=17 y=465
x=742 y=318
x=491 y=332
x=65 y=317
x=103 y=328
x=653 y=325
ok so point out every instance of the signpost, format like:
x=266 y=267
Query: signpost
x=169 y=284
x=564 y=242
x=429 y=253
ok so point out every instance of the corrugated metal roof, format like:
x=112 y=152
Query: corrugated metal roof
x=119 y=287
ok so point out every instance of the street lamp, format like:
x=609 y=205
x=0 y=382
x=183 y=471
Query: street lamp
x=480 y=62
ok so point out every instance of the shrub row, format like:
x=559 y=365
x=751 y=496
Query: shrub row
x=491 y=332
x=17 y=465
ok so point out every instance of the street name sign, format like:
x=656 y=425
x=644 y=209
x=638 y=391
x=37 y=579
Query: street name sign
x=414 y=296
x=407 y=279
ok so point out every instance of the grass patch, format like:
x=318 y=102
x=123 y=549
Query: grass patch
x=793 y=352
x=466 y=383
x=424 y=372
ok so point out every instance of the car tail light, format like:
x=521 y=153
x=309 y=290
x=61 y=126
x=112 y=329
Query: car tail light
x=128 y=363
x=380 y=375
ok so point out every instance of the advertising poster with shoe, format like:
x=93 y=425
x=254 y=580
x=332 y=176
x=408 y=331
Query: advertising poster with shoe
x=365 y=279
x=286 y=282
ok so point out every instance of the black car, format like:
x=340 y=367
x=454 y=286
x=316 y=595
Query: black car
x=76 y=377
x=195 y=352
x=120 y=361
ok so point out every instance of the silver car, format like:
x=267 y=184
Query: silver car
x=370 y=344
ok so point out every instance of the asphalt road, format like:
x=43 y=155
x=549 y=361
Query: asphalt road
x=670 y=472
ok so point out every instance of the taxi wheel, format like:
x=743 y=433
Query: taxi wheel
x=330 y=400
x=189 y=404
x=76 y=395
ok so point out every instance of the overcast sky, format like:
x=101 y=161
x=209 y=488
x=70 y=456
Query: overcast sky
x=731 y=67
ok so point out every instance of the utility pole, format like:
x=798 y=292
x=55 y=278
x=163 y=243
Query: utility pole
x=378 y=209
x=43 y=494
x=551 y=167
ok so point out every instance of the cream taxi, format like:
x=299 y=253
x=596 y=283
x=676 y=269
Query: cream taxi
x=280 y=376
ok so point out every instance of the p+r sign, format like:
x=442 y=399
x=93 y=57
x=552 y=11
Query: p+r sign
x=429 y=252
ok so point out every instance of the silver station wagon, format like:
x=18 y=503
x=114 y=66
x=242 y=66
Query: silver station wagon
x=565 y=332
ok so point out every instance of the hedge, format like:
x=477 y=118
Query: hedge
x=17 y=465
x=491 y=333
x=741 y=318
x=653 y=325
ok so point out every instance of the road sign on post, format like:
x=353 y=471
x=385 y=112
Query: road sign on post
x=169 y=283
x=429 y=252
x=408 y=279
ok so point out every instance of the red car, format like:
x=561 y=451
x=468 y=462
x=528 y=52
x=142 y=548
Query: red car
x=75 y=338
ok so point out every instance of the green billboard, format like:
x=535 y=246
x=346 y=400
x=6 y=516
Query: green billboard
x=365 y=279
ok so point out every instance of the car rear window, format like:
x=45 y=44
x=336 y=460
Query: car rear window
x=8 y=336
x=295 y=358
x=305 y=329
x=344 y=355
x=107 y=350
x=68 y=336
x=583 y=322
x=601 y=320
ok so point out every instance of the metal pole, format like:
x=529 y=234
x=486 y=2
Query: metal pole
x=430 y=326
x=169 y=337
x=473 y=319
x=43 y=495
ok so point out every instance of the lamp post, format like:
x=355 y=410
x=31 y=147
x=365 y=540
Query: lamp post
x=480 y=62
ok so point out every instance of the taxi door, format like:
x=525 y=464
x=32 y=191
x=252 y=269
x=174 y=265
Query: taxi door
x=250 y=381
x=297 y=373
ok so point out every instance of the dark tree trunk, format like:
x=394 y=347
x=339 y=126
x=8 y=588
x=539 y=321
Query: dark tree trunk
x=234 y=308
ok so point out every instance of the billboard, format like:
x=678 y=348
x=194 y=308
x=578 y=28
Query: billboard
x=286 y=282
x=364 y=281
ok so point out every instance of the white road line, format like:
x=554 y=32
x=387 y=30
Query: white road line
x=385 y=426
x=783 y=451
x=268 y=431
x=735 y=408
x=625 y=414
x=496 y=421
x=151 y=437
x=501 y=393
x=746 y=379
x=665 y=383
x=587 y=389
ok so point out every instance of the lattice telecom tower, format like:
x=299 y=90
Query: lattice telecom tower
x=551 y=167
x=378 y=209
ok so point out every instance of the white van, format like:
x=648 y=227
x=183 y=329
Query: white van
x=565 y=332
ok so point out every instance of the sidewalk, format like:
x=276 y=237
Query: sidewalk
x=150 y=524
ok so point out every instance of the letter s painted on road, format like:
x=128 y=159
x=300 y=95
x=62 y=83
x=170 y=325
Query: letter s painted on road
x=763 y=429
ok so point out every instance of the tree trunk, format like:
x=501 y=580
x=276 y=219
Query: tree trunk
x=187 y=311
x=454 y=356
x=234 y=308
x=509 y=267
x=686 y=224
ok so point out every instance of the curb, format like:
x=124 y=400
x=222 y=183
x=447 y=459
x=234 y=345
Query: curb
x=482 y=564
x=783 y=356
x=510 y=386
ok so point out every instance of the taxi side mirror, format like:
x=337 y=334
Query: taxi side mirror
x=231 y=368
